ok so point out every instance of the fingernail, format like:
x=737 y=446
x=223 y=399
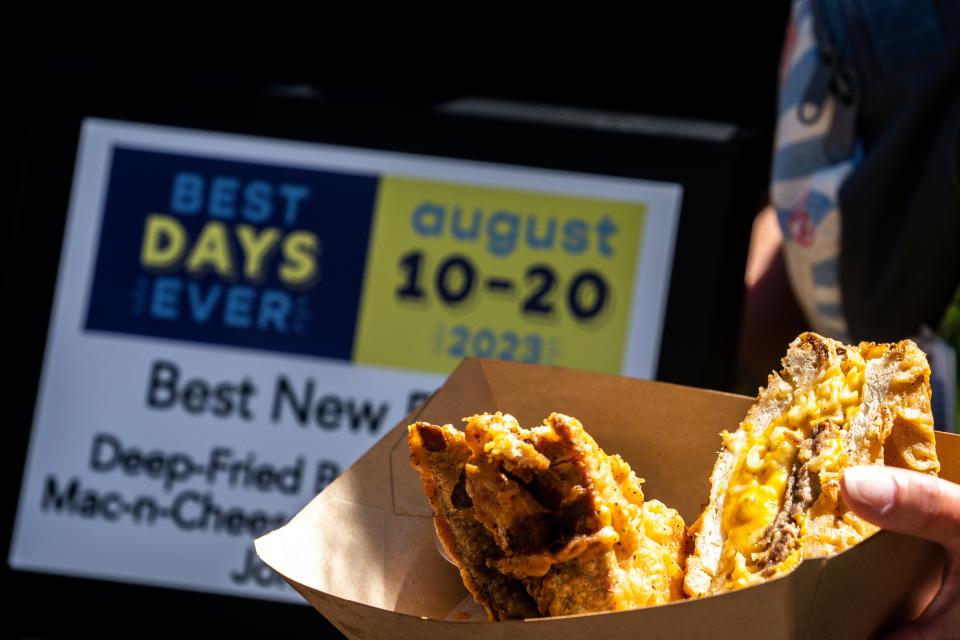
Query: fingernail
x=870 y=486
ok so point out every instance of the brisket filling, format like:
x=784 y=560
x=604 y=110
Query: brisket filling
x=802 y=490
x=552 y=529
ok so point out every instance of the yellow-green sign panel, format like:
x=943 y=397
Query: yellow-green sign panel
x=460 y=270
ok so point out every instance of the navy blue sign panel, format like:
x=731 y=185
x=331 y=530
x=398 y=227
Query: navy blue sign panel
x=234 y=253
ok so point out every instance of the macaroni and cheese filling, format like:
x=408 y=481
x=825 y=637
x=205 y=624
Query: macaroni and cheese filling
x=786 y=469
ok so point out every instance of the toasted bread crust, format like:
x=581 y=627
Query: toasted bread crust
x=707 y=532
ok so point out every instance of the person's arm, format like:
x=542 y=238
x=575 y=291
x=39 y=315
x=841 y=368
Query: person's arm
x=921 y=505
x=771 y=316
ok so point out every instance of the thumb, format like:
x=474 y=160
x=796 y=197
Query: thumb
x=920 y=505
x=906 y=502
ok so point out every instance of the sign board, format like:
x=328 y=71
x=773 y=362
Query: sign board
x=237 y=319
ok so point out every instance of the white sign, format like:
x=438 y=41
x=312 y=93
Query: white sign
x=236 y=320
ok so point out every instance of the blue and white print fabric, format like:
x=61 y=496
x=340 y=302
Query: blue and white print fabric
x=806 y=182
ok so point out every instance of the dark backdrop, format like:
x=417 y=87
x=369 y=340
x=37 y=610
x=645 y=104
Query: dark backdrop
x=684 y=63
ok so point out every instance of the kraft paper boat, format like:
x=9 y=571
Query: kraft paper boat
x=363 y=552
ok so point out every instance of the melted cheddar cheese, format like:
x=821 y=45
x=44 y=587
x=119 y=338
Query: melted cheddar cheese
x=766 y=459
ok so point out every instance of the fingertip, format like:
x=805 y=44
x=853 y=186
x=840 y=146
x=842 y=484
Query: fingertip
x=869 y=490
x=905 y=501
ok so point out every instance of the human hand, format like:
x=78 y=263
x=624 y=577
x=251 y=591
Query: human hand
x=920 y=505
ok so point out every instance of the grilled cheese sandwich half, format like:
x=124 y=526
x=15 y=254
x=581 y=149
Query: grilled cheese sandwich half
x=775 y=489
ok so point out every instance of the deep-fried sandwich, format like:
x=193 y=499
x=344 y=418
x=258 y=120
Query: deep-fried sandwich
x=569 y=522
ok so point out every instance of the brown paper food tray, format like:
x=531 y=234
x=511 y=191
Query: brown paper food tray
x=363 y=551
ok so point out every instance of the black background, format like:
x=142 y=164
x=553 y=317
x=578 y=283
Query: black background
x=723 y=69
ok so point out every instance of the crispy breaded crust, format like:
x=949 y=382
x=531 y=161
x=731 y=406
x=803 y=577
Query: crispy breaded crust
x=546 y=512
x=439 y=455
x=571 y=520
